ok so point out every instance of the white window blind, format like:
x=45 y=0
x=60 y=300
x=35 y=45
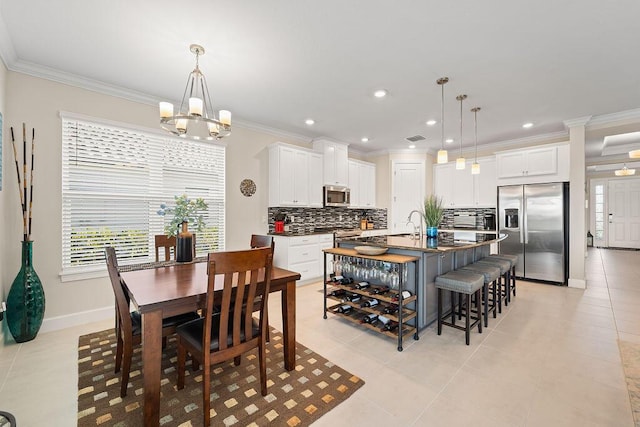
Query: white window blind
x=113 y=182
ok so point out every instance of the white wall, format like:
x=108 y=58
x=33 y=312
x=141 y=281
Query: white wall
x=4 y=276
x=38 y=103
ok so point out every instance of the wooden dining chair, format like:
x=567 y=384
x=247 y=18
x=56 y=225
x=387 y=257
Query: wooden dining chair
x=230 y=330
x=261 y=241
x=129 y=324
x=167 y=243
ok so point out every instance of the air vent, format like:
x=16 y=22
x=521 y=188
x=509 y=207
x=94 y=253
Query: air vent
x=415 y=138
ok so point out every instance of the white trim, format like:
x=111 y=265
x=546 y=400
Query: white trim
x=75 y=319
x=577 y=283
x=73 y=276
x=580 y=121
x=614 y=118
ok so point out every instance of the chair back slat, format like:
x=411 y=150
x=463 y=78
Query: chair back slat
x=167 y=243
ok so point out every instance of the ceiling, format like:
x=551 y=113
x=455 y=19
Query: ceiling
x=276 y=63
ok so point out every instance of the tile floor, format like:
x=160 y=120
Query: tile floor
x=550 y=359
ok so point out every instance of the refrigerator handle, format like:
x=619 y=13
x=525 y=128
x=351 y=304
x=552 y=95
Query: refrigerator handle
x=524 y=228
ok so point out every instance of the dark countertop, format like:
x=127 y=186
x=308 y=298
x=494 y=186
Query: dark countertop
x=446 y=241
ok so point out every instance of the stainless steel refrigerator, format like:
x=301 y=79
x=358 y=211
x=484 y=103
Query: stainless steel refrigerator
x=535 y=218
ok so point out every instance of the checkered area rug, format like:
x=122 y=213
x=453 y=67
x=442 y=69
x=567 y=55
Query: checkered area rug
x=295 y=398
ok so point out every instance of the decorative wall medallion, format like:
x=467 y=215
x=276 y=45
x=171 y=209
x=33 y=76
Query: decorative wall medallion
x=248 y=187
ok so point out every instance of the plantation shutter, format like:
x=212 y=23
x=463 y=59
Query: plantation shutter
x=114 y=179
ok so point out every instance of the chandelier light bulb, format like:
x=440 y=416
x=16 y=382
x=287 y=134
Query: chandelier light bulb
x=181 y=126
x=195 y=107
x=166 y=110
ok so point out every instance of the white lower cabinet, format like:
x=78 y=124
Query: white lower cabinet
x=301 y=254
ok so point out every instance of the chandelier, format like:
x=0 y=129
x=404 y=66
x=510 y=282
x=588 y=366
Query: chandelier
x=625 y=172
x=195 y=118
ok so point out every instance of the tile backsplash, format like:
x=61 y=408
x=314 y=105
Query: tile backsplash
x=305 y=220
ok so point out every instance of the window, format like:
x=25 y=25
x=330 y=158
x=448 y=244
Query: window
x=113 y=182
x=599 y=212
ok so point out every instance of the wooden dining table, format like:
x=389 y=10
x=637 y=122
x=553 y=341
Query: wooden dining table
x=173 y=288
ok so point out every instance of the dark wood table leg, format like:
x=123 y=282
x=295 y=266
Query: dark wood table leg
x=289 y=324
x=152 y=360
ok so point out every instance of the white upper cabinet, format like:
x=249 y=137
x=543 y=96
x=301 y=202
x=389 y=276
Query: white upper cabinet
x=362 y=183
x=336 y=162
x=294 y=177
x=548 y=163
x=315 y=180
x=461 y=189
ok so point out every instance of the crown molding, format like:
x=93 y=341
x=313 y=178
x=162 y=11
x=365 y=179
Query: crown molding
x=622 y=117
x=580 y=121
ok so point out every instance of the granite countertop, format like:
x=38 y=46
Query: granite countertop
x=446 y=241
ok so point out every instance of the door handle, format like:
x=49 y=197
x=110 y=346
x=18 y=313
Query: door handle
x=610 y=218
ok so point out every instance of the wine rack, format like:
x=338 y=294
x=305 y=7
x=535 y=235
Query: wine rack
x=391 y=298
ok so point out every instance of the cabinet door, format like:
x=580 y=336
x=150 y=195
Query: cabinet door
x=368 y=186
x=300 y=180
x=354 y=183
x=510 y=165
x=542 y=161
x=342 y=165
x=462 y=187
x=485 y=184
x=336 y=164
x=314 y=175
x=286 y=172
x=442 y=183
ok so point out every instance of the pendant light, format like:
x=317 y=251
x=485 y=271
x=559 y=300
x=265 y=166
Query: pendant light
x=460 y=161
x=634 y=154
x=475 y=167
x=443 y=157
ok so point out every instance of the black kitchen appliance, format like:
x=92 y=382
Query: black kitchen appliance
x=489 y=221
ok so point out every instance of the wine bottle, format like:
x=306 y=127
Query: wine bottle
x=383 y=320
x=390 y=326
x=370 y=303
x=405 y=295
x=362 y=285
x=351 y=298
x=370 y=318
x=346 y=281
x=391 y=309
x=337 y=292
x=344 y=309
x=379 y=290
x=337 y=279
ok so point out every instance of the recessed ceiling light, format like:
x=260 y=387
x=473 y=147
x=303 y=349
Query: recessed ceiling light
x=448 y=140
x=412 y=146
x=364 y=139
x=527 y=125
x=431 y=122
x=309 y=122
x=380 y=93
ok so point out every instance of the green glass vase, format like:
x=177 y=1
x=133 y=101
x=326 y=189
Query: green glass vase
x=25 y=303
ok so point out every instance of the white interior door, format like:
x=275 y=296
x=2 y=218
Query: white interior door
x=407 y=193
x=624 y=213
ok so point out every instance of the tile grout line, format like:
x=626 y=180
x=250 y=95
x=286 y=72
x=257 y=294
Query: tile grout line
x=11 y=366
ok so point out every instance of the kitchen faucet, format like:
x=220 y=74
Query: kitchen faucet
x=414 y=225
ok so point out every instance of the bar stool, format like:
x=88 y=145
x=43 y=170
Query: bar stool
x=505 y=272
x=460 y=283
x=514 y=261
x=491 y=275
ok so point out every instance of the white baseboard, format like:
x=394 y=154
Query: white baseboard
x=75 y=319
x=577 y=283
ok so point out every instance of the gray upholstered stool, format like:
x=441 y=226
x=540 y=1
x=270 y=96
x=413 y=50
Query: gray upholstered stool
x=460 y=283
x=514 y=261
x=491 y=275
x=505 y=271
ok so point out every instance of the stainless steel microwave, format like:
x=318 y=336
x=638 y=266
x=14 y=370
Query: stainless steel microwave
x=336 y=196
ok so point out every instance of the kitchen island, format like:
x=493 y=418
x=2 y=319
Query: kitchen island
x=436 y=256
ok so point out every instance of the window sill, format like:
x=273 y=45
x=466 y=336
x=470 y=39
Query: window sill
x=85 y=274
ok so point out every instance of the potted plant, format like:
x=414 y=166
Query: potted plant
x=184 y=212
x=432 y=213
